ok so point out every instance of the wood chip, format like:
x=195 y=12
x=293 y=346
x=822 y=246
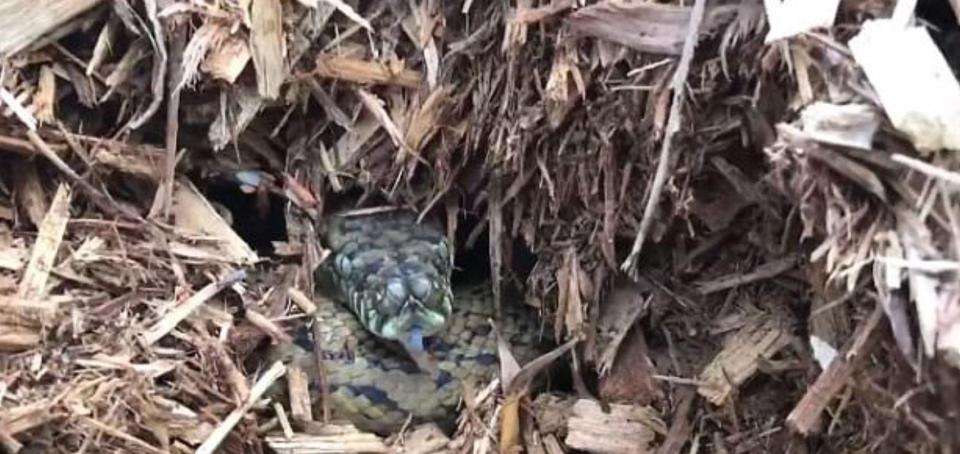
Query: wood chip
x=913 y=80
x=182 y=311
x=298 y=387
x=24 y=21
x=762 y=336
x=228 y=60
x=625 y=429
x=33 y=285
x=848 y=125
x=267 y=46
x=321 y=444
x=425 y=439
x=792 y=17
x=647 y=27
x=366 y=72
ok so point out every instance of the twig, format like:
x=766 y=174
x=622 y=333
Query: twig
x=33 y=284
x=284 y=421
x=351 y=14
x=807 y=412
x=181 y=312
x=678 y=85
x=117 y=433
x=9 y=443
x=163 y=198
x=927 y=169
x=321 y=373
x=256 y=392
x=764 y=271
x=159 y=72
x=100 y=199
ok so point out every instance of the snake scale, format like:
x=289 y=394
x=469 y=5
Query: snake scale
x=398 y=341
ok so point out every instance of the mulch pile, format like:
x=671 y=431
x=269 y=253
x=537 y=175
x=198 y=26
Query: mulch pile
x=742 y=213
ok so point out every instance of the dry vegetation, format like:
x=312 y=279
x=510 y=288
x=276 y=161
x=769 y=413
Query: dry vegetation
x=746 y=215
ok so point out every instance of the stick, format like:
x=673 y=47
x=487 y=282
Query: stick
x=259 y=388
x=673 y=125
x=181 y=312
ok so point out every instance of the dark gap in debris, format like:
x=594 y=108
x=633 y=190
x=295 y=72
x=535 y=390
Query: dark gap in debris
x=258 y=217
x=945 y=30
x=471 y=264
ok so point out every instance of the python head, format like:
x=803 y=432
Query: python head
x=394 y=277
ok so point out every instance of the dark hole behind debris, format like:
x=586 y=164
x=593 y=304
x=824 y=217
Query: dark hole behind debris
x=257 y=218
x=945 y=30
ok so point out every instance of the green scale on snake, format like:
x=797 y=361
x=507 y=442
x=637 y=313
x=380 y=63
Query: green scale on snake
x=389 y=283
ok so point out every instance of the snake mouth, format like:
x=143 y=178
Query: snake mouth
x=415 y=317
x=412 y=325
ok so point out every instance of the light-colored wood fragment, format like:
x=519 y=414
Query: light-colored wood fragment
x=241 y=104
x=106 y=362
x=425 y=439
x=17 y=338
x=427 y=120
x=272 y=374
x=24 y=21
x=44 y=100
x=625 y=429
x=282 y=418
x=762 y=336
x=376 y=107
x=186 y=424
x=301 y=300
x=848 y=125
x=913 y=80
x=34 y=282
x=366 y=72
x=142 y=446
x=182 y=311
x=9 y=443
x=321 y=444
x=103 y=48
x=564 y=86
x=266 y=46
x=227 y=60
x=645 y=26
x=28 y=416
x=12 y=257
x=25 y=313
x=268 y=326
x=194 y=213
x=791 y=17
x=352 y=141
x=298 y=386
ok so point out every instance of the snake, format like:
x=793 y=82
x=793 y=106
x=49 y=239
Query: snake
x=399 y=342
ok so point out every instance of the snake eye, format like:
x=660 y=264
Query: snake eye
x=396 y=290
x=420 y=287
x=343 y=265
x=443 y=250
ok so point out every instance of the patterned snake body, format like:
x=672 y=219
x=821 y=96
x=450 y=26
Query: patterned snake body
x=378 y=267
